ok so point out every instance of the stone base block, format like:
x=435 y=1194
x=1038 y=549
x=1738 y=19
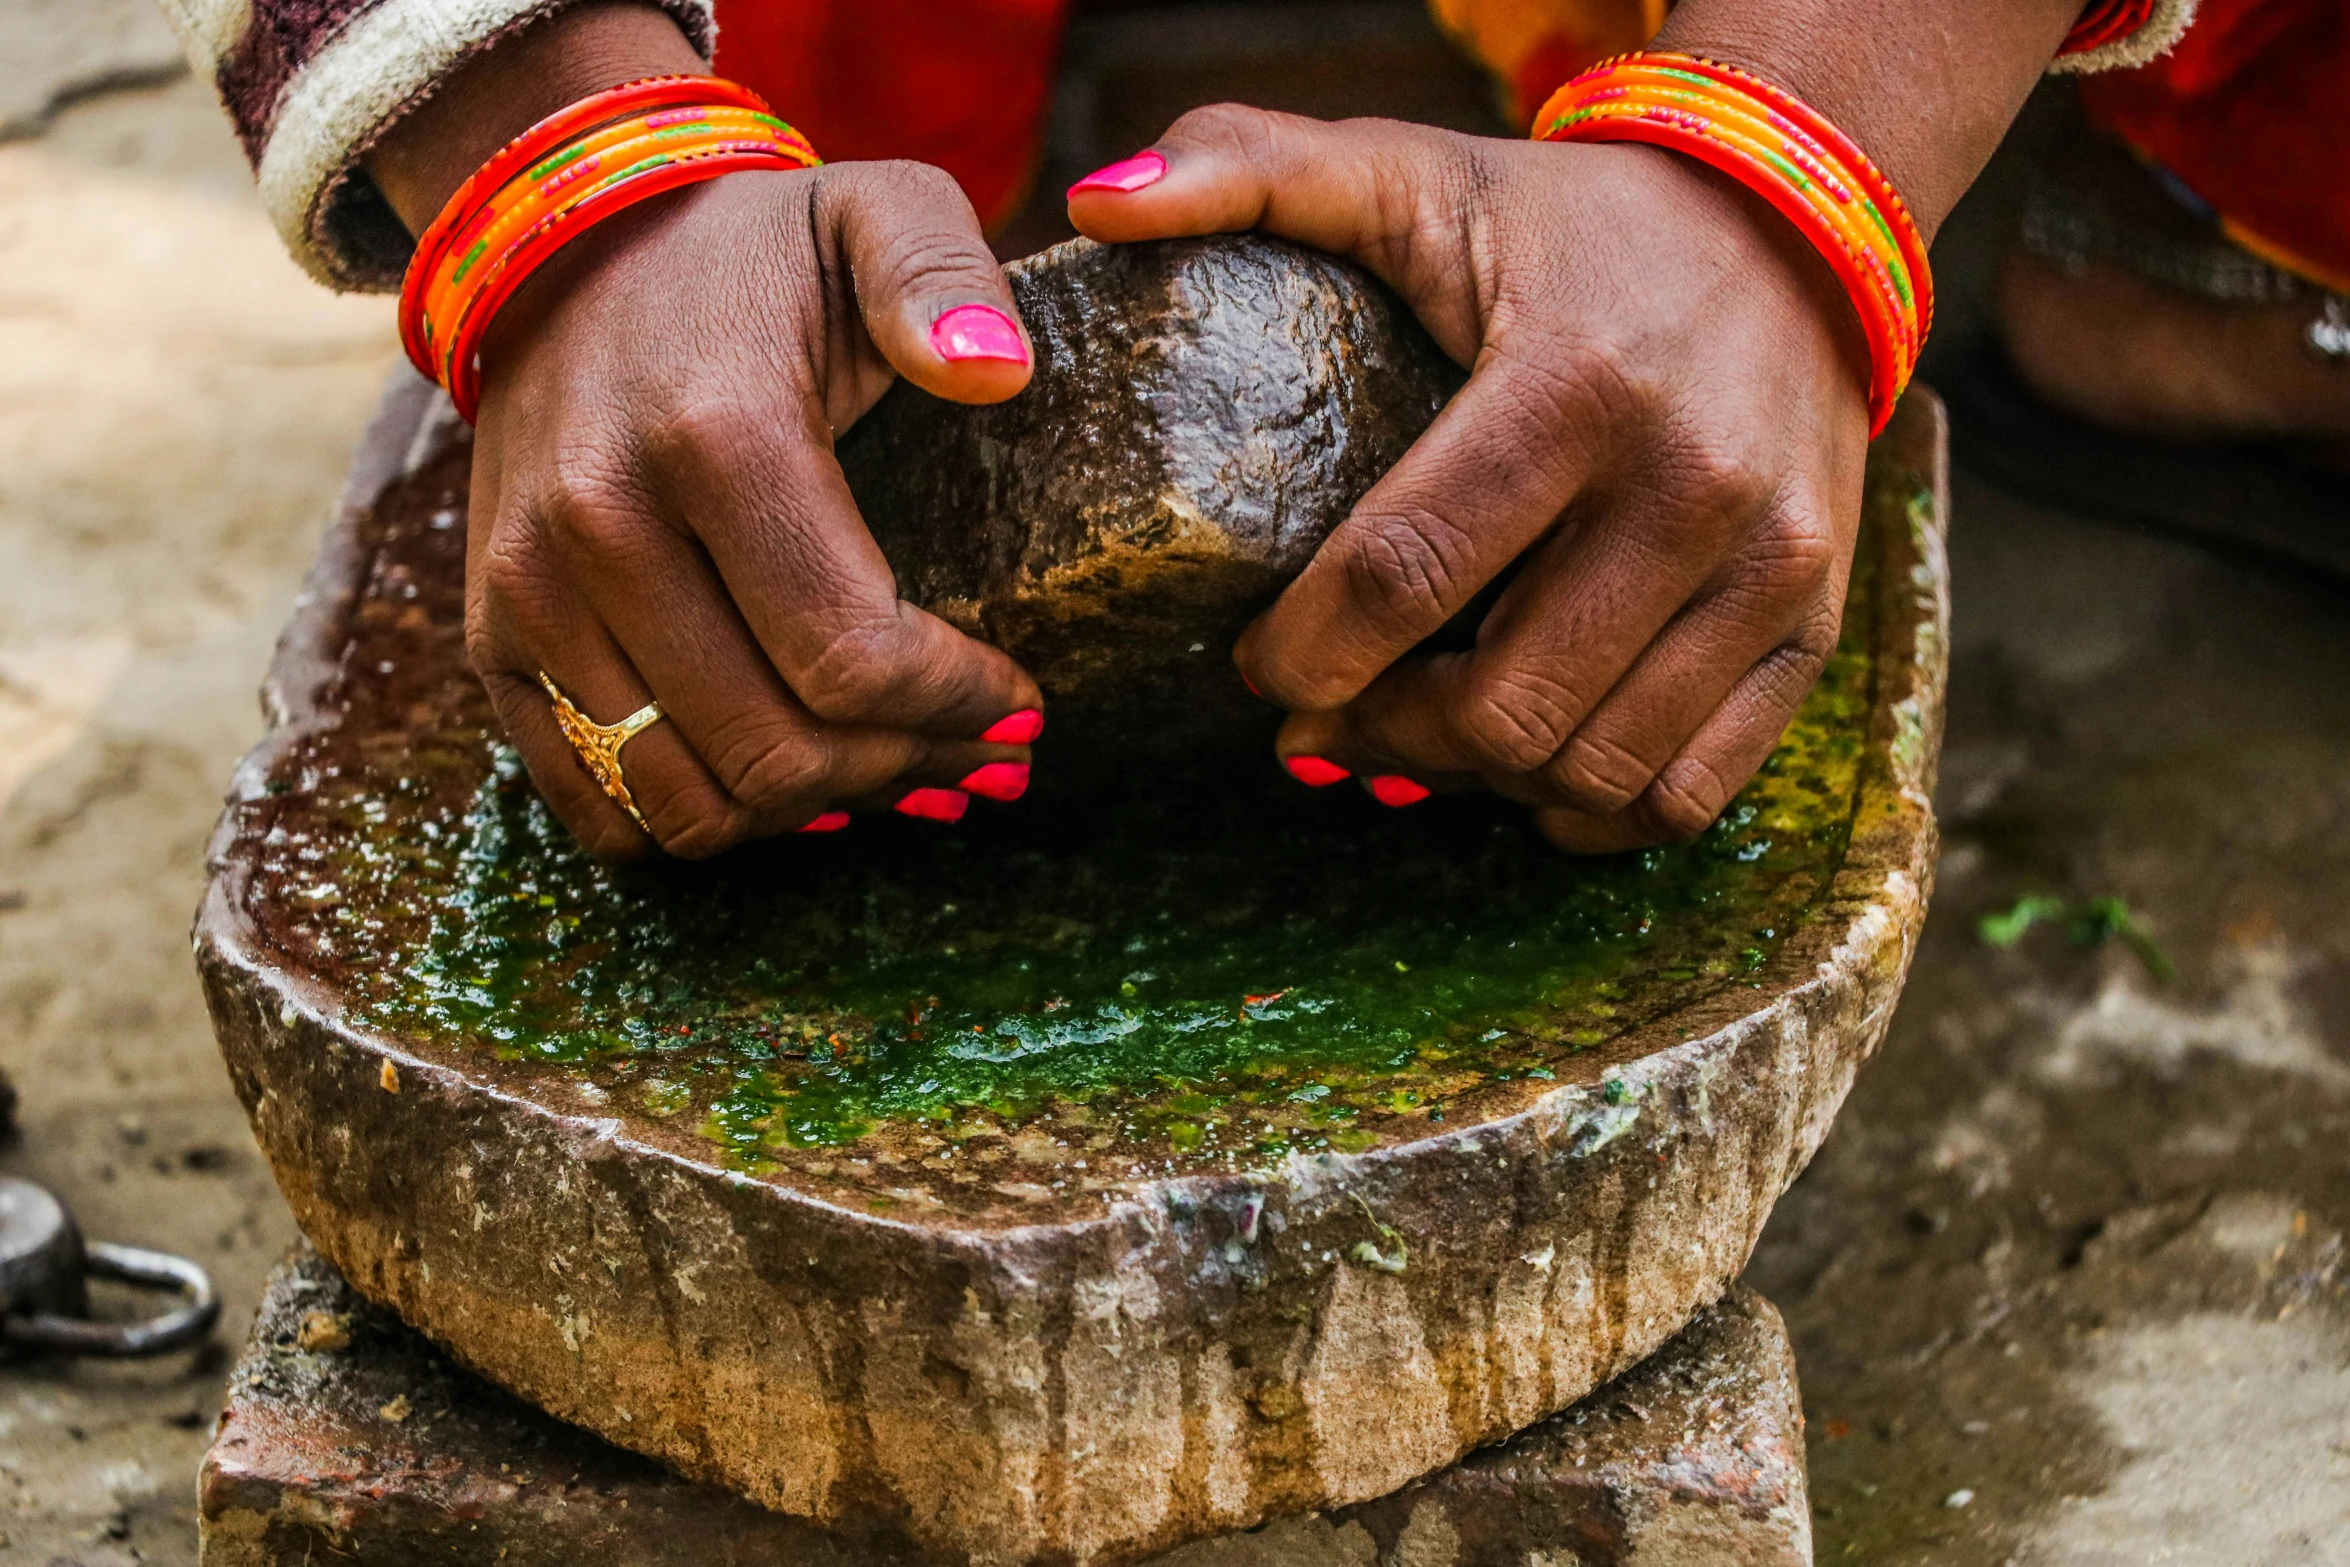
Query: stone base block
x=349 y=1438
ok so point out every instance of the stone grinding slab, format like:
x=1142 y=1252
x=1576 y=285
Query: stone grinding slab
x=1077 y=1183
x=347 y=1437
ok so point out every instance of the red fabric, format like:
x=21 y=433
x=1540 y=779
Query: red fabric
x=964 y=84
x=2251 y=110
x=2252 y=113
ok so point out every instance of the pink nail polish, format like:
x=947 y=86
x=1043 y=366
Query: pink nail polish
x=978 y=332
x=1315 y=772
x=1127 y=174
x=1396 y=790
x=935 y=805
x=1019 y=728
x=830 y=821
x=998 y=781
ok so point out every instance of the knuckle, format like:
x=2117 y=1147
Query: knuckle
x=929 y=261
x=1402 y=571
x=595 y=518
x=1599 y=774
x=507 y=592
x=509 y=577
x=762 y=762
x=854 y=677
x=907 y=177
x=1235 y=128
x=485 y=651
x=1686 y=799
x=1515 y=721
x=1815 y=638
x=1581 y=381
x=702 y=426
x=1302 y=687
x=1795 y=664
x=695 y=822
x=1710 y=482
x=613 y=842
x=1793 y=554
x=1777 y=684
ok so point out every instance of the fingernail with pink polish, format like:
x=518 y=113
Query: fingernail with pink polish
x=1315 y=772
x=1126 y=175
x=997 y=781
x=978 y=332
x=935 y=805
x=1019 y=728
x=830 y=821
x=1396 y=790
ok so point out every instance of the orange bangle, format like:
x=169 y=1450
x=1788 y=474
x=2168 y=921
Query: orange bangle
x=550 y=184
x=1787 y=153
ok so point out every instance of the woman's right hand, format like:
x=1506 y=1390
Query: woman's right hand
x=657 y=514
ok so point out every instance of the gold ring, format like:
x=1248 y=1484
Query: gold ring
x=599 y=745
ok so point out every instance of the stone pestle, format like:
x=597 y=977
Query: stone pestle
x=1204 y=412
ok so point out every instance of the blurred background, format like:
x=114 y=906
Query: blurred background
x=2066 y=1281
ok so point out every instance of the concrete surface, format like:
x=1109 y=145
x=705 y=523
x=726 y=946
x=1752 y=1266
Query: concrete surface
x=2073 y=1253
x=2065 y=1283
x=176 y=407
x=349 y=1436
x=54 y=52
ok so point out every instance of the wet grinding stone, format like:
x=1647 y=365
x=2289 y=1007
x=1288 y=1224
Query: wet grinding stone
x=348 y=1438
x=1078 y=1182
x=1203 y=413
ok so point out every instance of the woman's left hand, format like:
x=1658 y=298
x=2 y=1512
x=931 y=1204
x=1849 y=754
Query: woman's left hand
x=1665 y=424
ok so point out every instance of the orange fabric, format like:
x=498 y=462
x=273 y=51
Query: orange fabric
x=2251 y=112
x=1531 y=46
x=964 y=84
x=967 y=84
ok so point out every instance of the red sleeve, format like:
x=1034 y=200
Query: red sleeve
x=966 y=86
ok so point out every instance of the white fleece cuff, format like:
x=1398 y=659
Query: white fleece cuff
x=2143 y=47
x=386 y=62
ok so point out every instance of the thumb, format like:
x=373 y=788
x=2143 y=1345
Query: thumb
x=933 y=298
x=1354 y=188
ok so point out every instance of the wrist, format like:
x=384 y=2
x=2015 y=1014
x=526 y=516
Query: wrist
x=510 y=87
x=1925 y=87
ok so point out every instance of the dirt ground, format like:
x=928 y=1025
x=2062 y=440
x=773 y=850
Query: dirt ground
x=2066 y=1281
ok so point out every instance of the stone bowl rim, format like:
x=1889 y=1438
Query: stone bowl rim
x=1894 y=838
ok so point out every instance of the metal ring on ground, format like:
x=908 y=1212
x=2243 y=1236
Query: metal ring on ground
x=154 y=1336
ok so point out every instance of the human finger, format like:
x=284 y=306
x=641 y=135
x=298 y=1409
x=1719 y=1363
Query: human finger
x=751 y=477
x=672 y=618
x=525 y=634
x=1780 y=598
x=1692 y=790
x=932 y=296
x=1356 y=188
x=1488 y=479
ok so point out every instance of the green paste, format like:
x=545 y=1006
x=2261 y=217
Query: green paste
x=1204 y=982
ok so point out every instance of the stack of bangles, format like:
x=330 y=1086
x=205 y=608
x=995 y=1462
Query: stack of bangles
x=548 y=185
x=1780 y=148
